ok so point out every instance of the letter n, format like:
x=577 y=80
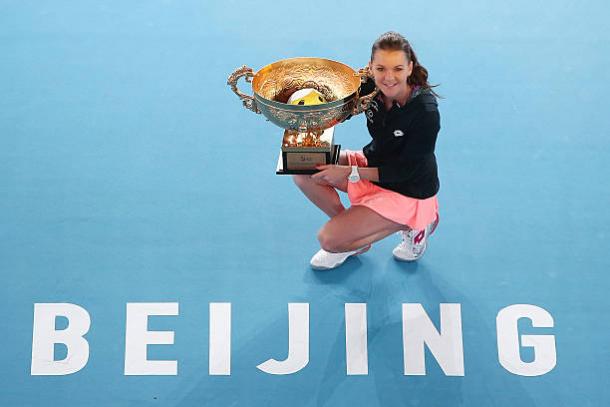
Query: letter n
x=446 y=345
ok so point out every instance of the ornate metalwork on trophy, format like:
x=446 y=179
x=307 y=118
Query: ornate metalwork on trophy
x=307 y=97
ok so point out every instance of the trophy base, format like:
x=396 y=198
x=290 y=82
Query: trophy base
x=329 y=158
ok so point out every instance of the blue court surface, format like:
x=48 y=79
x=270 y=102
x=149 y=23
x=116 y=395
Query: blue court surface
x=149 y=254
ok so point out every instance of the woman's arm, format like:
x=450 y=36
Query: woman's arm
x=334 y=174
x=369 y=173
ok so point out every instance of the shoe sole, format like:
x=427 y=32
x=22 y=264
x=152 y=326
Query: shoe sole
x=322 y=268
x=405 y=260
x=319 y=268
x=329 y=268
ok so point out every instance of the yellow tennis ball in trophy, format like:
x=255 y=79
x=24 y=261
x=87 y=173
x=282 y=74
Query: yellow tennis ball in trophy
x=305 y=97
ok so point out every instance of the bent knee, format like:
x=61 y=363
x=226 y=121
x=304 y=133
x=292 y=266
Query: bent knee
x=331 y=241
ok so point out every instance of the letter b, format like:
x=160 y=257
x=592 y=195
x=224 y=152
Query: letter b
x=45 y=336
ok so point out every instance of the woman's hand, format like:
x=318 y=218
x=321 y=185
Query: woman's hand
x=330 y=174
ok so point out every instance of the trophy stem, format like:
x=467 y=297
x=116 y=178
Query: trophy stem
x=307 y=138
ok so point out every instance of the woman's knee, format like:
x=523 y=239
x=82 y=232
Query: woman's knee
x=331 y=240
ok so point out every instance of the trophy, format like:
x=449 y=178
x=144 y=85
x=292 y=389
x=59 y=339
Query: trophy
x=306 y=97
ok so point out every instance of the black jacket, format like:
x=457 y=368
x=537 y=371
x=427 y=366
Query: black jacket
x=402 y=148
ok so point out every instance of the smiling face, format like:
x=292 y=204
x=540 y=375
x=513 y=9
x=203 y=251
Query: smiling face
x=390 y=71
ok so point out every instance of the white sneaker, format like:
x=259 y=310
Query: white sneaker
x=413 y=244
x=324 y=260
x=412 y=247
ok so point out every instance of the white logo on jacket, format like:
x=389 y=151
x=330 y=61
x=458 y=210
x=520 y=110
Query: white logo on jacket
x=369 y=111
x=398 y=133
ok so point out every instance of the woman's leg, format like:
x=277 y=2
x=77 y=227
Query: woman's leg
x=324 y=196
x=355 y=228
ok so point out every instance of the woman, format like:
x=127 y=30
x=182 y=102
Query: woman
x=392 y=183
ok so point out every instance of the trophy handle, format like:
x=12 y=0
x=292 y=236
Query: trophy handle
x=247 y=100
x=363 y=102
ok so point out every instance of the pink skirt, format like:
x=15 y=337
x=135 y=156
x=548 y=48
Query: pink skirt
x=412 y=212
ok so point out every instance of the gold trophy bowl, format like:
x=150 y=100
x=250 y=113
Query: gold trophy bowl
x=308 y=129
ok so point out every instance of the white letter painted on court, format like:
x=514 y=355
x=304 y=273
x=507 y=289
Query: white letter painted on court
x=356 y=352
x=446 y=346
x=545 y=356
x=45 y=336
x=220 y=339
x=138 y=337
x=298 y=343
